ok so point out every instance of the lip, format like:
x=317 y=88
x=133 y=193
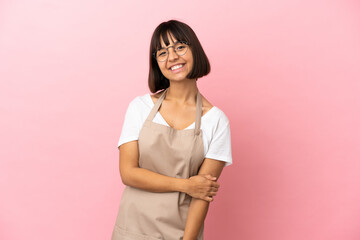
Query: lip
x=179 y=69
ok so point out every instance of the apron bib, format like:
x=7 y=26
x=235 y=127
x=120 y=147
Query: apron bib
x=175 y=153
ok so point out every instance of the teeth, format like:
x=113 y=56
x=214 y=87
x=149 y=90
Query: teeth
x=176 y=67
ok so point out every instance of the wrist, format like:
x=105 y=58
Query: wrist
x=182 y=185
x=188 y=237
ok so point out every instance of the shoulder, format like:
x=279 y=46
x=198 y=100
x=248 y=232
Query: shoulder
x=218 y=116
x=139 y=106
x=140 y=101
x=137 y=111
x=222 y=116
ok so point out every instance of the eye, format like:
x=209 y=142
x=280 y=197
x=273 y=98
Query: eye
x=161 y=52
x=180 y=47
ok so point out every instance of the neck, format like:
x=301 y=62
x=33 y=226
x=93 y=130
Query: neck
x=184 y=91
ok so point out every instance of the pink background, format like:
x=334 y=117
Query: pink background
x=286 y=73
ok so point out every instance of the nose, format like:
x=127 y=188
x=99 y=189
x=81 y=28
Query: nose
x=172 y=54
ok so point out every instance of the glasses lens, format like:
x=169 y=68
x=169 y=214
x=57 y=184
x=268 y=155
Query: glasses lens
x=181 y=48
x=161 y=54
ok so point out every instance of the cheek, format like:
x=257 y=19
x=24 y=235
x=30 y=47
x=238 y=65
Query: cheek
x=191 y=63
x=190 y=59
x=162 y=67
x=163 y=70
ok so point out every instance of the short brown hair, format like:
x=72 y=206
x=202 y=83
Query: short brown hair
x=182 y=32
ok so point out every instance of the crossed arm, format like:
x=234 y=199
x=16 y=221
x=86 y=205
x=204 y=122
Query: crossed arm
x=201 y=187
x=198 y=207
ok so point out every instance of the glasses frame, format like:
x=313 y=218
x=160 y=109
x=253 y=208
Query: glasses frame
x=167 y=49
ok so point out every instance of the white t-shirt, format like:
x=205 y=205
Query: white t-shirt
x=214 y=125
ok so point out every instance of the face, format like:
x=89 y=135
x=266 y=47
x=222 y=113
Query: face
x=176 y=67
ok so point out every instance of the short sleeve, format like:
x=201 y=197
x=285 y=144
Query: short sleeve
x=220 y=144
x=131 y=127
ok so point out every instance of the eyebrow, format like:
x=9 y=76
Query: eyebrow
x=170 y=45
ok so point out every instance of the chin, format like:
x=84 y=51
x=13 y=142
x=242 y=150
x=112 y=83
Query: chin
x=178 y=79
x=182 y=77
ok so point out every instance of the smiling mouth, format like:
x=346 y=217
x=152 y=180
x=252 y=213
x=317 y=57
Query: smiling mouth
x=176 y=67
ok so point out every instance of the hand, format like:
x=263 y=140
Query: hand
x=203 y=187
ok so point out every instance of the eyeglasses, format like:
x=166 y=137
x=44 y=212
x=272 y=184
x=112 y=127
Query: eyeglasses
x=180 y=48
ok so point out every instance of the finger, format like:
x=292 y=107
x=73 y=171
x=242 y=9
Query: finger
x=212 y=190
x=209 y=199
x=208 y=176
x=215 y=184
x=212 y=194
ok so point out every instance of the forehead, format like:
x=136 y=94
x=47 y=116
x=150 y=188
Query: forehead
x=167 y=39
x=168 y=35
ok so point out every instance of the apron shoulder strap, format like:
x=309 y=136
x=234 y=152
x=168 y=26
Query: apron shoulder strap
x=198 y=113
x=156 y=106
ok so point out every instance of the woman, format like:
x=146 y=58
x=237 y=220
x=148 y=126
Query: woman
x=173 y=146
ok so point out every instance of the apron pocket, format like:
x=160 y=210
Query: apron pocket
x=122 y=234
